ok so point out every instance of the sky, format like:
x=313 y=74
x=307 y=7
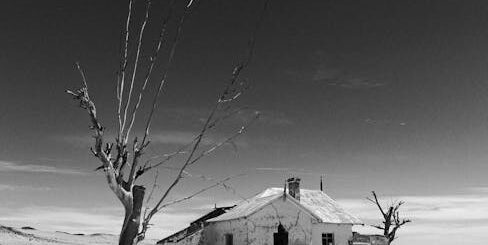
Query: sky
x=373 y=95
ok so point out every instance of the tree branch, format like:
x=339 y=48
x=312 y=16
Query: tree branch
x=135 y=163
x=147 y=219
x=182 y=149
x=114 y=166
x=235 y=75
x=152 y=61
x=222 y=143
x=375 y=201
x=86 y=103
x=378 y=227
x=221 y=182
x=136 y=66
x=165 y=73
x=121 y=84
x=149 y=197
x=391 y=219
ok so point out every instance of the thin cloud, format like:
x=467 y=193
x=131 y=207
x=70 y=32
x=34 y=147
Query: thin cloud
x=171 y=137
x=429 y=208
x=181 y=132
x=266 y=117
x=162 y=137
x=344 y=79
x=177 y=137
x=303 y=172
x=478 y=189
x=432 y=216
x=83 y=141
x=4 y=187
x=353 y=83
x=33 y=168
x=289 y=170
x=190 y=115
x=275 y=119
x=383 y=122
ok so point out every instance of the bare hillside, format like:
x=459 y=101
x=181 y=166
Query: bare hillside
x=28 y=235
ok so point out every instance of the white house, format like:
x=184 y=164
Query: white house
x=275 y=217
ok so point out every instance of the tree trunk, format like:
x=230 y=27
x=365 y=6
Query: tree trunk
x=132 y=221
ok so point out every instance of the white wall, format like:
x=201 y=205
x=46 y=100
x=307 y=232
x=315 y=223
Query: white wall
x=191 y=240
x=263 y=224
x=215 y=232
x=342 y=233
x=258 y=228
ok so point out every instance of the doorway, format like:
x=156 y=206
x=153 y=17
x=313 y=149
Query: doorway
x=280 y=237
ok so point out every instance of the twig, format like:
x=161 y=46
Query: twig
x=221 y=182
x=151 y=65
x=123 y=68
x=136 y=66
x=156 y=176
x=220 y=144
x=165 y=73
x=86 y=103
x=83 y=77
x=182 y=149
x=235 y=74
x=391 y=218
x=375 y=201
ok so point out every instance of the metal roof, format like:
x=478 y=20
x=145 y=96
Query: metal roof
x=316 y=202
x=195 y=225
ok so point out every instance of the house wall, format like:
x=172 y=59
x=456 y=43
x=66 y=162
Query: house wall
x=342 y=233
x=258 y=228
x=214 y=232
x=192 y=239
x=264 y=223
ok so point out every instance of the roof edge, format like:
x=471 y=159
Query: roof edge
x=253 y=212
x=288 y=197
x=296 y=203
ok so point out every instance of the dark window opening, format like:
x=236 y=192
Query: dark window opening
x=327 y=238
x=280 y=237
x=229 y=239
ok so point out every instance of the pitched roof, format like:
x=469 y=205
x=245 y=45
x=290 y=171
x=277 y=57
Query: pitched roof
x=316 y=202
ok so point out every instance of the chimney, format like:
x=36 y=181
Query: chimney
x=294 y=187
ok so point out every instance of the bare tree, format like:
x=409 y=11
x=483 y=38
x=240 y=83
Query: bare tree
x=123 y=159
x=391 y=218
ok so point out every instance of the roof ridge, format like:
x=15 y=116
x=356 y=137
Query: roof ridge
x=315 y=202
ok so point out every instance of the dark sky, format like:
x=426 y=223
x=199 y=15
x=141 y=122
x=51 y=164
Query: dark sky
x=376 y=95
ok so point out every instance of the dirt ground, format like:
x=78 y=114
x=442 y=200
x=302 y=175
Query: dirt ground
x=29 y=236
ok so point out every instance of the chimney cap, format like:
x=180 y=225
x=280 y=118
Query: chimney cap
x=293 y=179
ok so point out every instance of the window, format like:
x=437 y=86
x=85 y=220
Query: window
x=327 y=238
x=229 y=239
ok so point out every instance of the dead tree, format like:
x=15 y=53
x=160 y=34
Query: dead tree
x=123 y=159
x=391 y=218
